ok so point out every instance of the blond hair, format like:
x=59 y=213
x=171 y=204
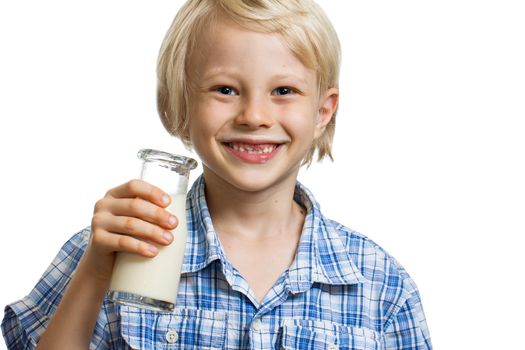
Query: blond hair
x=302 y=24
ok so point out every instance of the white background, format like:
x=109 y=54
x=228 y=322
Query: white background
x=429 y=149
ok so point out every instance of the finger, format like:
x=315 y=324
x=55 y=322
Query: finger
x=139 y=229
x=112 y=242
x=144 y=210
x=141 y=189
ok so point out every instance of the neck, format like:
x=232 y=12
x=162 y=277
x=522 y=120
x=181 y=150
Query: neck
x=253 y=215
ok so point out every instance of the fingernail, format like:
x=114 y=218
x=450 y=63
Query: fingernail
x=168 y=237
x=165 y=199
x=173 y=220
x=152 y=249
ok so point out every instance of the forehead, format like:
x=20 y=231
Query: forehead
x=228 y=46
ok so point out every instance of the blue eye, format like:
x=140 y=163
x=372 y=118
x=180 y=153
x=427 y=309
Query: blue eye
x=225 y=90
x=283 y=90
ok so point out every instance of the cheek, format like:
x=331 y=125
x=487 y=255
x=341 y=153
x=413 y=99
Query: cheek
x=300 y=122
x=205 y=125
x=212 y=111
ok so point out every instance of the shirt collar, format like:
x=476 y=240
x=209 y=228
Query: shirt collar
x=321 y=254
x=203 y=245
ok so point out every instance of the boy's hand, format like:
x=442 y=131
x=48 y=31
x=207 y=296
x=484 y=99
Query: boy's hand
x=129 y=218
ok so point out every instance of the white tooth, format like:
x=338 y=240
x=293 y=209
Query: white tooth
x=252 y=150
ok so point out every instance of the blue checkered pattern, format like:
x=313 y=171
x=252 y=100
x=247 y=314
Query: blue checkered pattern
x=341 y=292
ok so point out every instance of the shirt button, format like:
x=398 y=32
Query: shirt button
x=256 y=325
x=172 y=336
x=333 y=347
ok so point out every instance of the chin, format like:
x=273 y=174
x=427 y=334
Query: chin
x=251 y=184
x=261 y=180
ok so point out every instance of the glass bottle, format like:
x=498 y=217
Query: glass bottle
x=152 y=283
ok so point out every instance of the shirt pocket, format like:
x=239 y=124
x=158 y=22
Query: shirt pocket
x=181 y=329
x=317 y=335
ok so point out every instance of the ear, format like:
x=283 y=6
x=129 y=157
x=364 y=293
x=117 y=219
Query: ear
x=327 y=107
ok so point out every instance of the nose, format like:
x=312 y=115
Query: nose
x=255 y=112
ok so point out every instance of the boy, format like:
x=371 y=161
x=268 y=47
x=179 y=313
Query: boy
x=252 y=86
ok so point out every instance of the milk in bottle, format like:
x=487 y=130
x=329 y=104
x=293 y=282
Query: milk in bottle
x=153 y=283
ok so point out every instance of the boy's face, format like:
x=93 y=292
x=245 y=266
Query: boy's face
x=255 y=109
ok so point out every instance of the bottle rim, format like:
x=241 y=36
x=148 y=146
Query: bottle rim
x=148 y=154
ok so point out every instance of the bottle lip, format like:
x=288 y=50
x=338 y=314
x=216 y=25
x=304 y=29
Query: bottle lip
x=149 y=154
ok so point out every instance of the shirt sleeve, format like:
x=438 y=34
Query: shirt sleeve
x=25 y=320
x=407 y=329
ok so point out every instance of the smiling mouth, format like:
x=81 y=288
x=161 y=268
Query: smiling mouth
x=262 y=148
x=256 y=153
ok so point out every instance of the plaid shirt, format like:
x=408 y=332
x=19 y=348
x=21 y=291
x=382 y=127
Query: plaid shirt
x=342 y=291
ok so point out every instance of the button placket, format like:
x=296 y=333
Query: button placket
x=256 y=325
x=333 y=347
x=172 y=336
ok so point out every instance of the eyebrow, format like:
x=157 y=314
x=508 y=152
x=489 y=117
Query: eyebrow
x=233 y=74
x=219 y=72
x=290 y=76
